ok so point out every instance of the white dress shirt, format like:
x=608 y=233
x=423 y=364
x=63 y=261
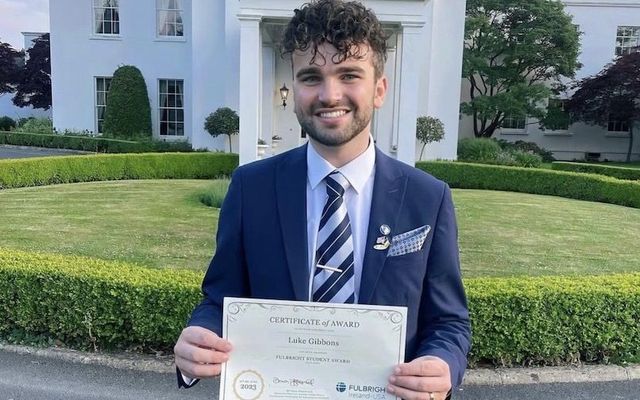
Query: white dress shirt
x=360 y=173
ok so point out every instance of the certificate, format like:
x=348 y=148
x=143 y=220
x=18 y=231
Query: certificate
x=300 y=350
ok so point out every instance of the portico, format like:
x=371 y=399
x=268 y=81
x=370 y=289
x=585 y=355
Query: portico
x=411 y=81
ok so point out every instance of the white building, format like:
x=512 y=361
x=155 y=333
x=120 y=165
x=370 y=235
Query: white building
x=7 y=108
x=199 y=55
x=610 y=28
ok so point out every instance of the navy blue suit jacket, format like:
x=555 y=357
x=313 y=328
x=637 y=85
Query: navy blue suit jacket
x=262 y=251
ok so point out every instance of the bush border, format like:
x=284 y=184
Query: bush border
x=572 y=185
x=607 y=170
x=23 y=172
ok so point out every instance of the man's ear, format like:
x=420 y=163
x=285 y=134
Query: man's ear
x=380 y=91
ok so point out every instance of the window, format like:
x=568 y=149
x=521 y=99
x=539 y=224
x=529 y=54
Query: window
x=514 y=122
x=617 y=126
x=557 y=116
x=107 y=17
x=102 y=88
x=171 y=107
x=169 y=18
x=627 y=40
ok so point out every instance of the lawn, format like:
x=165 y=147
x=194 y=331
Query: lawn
x=163 y=224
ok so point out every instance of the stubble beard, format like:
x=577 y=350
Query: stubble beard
x=331 y=137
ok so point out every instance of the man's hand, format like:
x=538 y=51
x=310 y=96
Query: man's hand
x=199 y=352
x=420 y=378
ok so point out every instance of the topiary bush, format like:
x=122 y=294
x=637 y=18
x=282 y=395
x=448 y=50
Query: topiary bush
x=103 y=167
x=7 y=123
x=35 y=125
x=224 y=121
x=128 y=113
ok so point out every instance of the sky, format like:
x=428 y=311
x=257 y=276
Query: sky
x=22 y=16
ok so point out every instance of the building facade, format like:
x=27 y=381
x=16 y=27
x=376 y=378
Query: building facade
x=609 y=28
x=199 y=55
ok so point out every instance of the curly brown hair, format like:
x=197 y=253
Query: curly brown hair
x=345 y=25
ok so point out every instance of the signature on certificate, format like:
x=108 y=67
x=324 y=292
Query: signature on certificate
x=293 y=381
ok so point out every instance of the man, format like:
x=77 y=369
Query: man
x=283 y=216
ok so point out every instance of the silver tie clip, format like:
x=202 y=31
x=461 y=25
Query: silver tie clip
x=328 y=268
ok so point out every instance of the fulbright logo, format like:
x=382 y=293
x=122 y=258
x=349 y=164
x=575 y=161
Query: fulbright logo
x=341 y=387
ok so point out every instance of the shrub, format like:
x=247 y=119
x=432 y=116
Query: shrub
x=35 y=125
x=608 y=170
x=69 y=169
x=216 y=194
x=128 y=113
x=489 y=151
x=478 y=150
x=527 y=147
x=555 y=320
x=7 y=123
x=224 y=121
x=92 y=143
x=88 y=303
x=571 y=185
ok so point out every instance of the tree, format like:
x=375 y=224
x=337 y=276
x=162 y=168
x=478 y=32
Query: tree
x=34 y=86
x=611 y=95
x=9 y=68
x=224 y=121
x=128 y=113
x=516 y=54
x=428 y=130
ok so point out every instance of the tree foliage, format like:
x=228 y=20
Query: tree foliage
x=10 y=65
x=611 y=95
x=224 y=121
x=516 y=54
x=128 y=113
x=428 y=130
x=34 y=86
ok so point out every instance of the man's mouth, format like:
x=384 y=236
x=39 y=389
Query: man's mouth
x=332 y=114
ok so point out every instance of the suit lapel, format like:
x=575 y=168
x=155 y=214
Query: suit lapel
x=291 y=192
x=388 y=195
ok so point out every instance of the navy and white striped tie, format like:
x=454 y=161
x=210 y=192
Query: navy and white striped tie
x=334 y=279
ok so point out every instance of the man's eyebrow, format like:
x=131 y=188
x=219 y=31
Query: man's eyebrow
x=345 y=69
x=306 y=71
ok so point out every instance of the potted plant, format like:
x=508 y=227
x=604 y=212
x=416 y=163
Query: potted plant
x=262 y=146
x=275 y=140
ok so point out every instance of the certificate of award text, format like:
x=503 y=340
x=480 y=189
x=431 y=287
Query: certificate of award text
x=300 y=350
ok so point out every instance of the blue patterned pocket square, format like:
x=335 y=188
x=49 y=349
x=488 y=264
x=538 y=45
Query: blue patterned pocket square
x=408 y=242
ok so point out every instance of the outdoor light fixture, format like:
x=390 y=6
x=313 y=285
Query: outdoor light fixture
x=284 y=93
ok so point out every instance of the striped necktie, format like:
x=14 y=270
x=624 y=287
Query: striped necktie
x=334 y=280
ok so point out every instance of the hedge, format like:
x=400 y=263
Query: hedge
x=85 y=302
x=68 y=169
x=608 y=170
x=573 y=185
x=90 y=143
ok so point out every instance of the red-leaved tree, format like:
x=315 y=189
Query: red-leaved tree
x=612 y=94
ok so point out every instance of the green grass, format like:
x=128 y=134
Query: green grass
x=163 y=224
x=154 y=223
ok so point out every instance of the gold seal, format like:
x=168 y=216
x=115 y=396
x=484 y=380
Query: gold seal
x=248 y=385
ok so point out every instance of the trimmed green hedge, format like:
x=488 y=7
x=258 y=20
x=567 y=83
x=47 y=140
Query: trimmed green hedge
x=612 y=171
x=85 y=302
x=573 y=185
x=102 y=167
x=555 y=320
x=90 y=143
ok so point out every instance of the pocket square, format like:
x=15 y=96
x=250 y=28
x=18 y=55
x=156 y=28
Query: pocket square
x=408 y=242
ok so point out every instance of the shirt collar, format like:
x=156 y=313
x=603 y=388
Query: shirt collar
x=357 y=171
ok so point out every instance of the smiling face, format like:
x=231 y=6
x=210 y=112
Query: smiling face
x=334 y=103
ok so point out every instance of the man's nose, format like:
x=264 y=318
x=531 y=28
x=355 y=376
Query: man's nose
x=330 y=92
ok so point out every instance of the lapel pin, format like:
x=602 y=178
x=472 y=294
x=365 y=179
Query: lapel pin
x=384 y=229
x=382 y=243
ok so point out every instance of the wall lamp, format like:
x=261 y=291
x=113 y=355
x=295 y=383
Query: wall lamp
x=284 y=93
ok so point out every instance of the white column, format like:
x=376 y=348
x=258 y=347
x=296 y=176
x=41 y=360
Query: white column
x=407 y=96
x=250 y=87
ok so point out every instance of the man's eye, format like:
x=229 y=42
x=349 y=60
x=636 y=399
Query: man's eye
x=310 y=79
x=349 y=77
